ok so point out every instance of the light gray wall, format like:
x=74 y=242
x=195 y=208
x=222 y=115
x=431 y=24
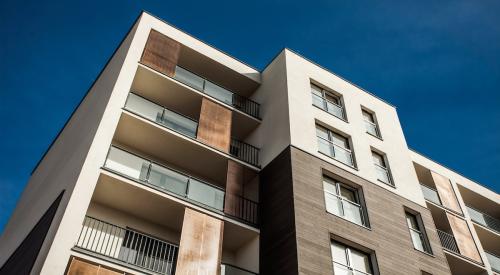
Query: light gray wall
x=61 y=166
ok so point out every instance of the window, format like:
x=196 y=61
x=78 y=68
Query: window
x=370 y=123
x=343 y=201
x=383 y=172
x=348 y=261
x=417 y=234
x=334 y=145
x=327 y=101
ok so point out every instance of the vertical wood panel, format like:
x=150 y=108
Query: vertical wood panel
x=463 y=237
x=200 y=247
x=161 y=53
x=234 y=187
x=445 y=191
x=214 y=127
x=84 y=267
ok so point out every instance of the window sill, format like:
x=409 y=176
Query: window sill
x=388 y=184
x=357 y=224
x=426 y=253
x=375 y=136
x=350 y=166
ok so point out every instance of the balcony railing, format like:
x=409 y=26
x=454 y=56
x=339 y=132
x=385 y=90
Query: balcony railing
x=201 y=84
x=383 y=174
x=337 y=152
x=448 y=241
x=430 y=194
x=328 y=106
x=179 y=184
x=227 y=269
x=185 y=126
x=494 y=261
x=127 y=246
x=371 y=128
x=484 y=219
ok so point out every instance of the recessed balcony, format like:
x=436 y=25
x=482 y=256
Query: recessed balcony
x=184 y=125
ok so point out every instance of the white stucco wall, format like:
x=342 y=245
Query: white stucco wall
x=303 y=115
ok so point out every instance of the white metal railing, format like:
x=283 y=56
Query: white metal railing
x=335 y=151
x=328 y=106
x=484 y=219
x=128 y=246
x=430 y=194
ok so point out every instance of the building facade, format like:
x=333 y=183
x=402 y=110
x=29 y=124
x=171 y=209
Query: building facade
x=183 y=160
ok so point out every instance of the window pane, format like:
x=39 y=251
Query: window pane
x=417 y=240
x=341 y=270
x=332 y=98
x=340 y=140
x=321 y=132
x=325 y=147
x=329 y=185
x=316 y=90
x=348 y=194
x=333 y=204
x=360 y=261
x=368 y=116
x=411 y=220
x=378 y=159
x=338 y=253
x=352 y=212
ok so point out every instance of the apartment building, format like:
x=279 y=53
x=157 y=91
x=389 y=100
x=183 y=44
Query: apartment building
x=181 y=159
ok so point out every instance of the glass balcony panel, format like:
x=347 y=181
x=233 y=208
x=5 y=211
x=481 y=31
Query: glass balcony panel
x=144 y=107
x=417 y=240
x=219 y=93
x=333 y=204
x=325 y=147
x=127 y=164
x=494 y=261
x=180 y=123
x=343 y=155
x=430 y=194
x=206 y=194
x=371 y=128
x=352 y=212
x=383 y=174
x=339 y=269
x=318 y=101
x=168 y=180
x=189 y=78
x=334 y=109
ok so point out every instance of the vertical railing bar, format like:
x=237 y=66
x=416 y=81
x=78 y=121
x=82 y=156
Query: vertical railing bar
x=91 y=228
x=83 y=227
x=109 y=238
x=98 y=232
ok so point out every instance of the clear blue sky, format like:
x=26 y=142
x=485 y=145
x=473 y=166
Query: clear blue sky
x=437 y=61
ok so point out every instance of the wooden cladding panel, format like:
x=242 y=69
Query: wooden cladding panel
x=200 y=247
x=234 y=187
x=81 y=267
x=214 y=127
x=161 y=53
x=463 y=237
x=445 y=191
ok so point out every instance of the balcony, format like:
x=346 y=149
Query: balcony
x=494 y=261
x=448 y=241
x=484 y=219
x=328 y=106
x=179 y=184
x=430 y=194
x=211 y=89
x=127 y=246
x=334 y=151
x=185 y=126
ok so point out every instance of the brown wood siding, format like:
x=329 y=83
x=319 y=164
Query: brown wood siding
x=214 y=127
x=161 y=53
x=463 y=237
x=200 y=247
x=83 y=267
x=278 y=245
x=312 y=227
x=234 y=187
x=445 y=191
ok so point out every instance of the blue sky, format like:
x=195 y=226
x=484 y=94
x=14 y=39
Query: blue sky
x=437 y=61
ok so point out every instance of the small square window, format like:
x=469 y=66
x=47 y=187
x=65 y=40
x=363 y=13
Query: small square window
x=327 y=101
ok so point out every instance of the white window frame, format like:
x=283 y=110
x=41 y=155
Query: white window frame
x=386 y=167
x=374 y=123
x=420 y=231
x=339 y=105
x=336 y=145
x=358 y=197
x=349 y=260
